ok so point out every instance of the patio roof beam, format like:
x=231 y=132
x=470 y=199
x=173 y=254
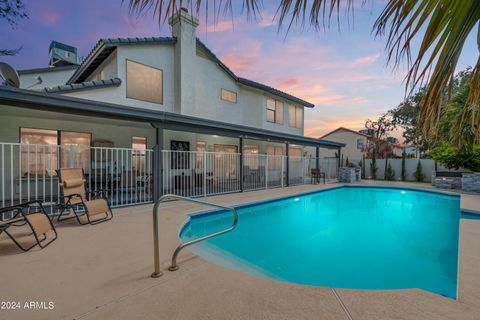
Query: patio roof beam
x=72 y=105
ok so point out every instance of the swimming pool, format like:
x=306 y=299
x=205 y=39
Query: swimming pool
x=347 y=237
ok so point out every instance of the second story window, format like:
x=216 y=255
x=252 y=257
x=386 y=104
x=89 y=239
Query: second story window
x=274 y=111
x=144 y=82
x=295 y=116
x=101 y=75
x=360 y=144
x=229 y=96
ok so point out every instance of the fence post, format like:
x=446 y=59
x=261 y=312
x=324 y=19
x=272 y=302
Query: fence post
x=205 y=173
x=266 y=171
x=241 y=144
x=287 y=170
x=158 y=166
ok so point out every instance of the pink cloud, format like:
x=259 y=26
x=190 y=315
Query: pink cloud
x=49 y=17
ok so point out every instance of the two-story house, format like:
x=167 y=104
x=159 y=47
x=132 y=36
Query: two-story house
x=163 y=113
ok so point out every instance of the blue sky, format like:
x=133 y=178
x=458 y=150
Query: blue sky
x=344 y=73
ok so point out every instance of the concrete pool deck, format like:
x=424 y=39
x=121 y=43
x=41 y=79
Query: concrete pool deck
x=103 y=272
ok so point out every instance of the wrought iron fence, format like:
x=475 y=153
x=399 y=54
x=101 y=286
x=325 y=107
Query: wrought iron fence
x=192 y=173
x=29 y=172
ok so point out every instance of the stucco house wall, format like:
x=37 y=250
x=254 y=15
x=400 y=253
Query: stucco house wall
x=50 y=77
x=350 y=140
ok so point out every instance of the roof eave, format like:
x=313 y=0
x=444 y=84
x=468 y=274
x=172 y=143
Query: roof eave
x=97 y=50
x=72 y=105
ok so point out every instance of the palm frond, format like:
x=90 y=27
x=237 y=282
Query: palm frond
x=164 y=9
x=443 y=27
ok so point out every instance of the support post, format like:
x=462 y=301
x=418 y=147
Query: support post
x=158 y=166
x=340 y=157
x=317 y=156
x=287 y=166
x=241 y=145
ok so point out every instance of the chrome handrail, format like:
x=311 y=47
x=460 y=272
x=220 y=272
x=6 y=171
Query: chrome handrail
x=156 y=251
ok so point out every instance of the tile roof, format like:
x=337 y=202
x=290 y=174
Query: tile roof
x=48 y=69
x=105 y=47
x=96 y=84
x=252 y=83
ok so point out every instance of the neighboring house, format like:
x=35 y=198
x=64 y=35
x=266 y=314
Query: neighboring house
x=356 y=143
x=157 y=106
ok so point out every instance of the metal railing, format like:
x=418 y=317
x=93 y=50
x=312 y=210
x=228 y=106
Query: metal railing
x=28 y=172
x=198 y=173
x=156 y=247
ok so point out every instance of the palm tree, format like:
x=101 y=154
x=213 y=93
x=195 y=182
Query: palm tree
x=441 y=27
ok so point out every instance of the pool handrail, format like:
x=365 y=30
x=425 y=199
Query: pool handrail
x=156 y=250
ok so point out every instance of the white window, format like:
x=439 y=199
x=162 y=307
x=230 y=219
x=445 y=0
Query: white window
x=251 y=156
x=274 y=111
x=144 y=82
x=77 y=155
x=360 y=144
x=201 y=148
x=295 y=116
x=43 y=155
x=229 y=96
x=295 y=154
x=275 y=157
x=101 y=75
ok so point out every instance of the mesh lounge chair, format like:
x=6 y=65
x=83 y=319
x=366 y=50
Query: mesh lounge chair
x=38 y=222
x=96 y=207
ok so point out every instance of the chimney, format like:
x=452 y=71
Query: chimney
x=183 y=29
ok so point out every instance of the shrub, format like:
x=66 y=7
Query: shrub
x=373 y=166
x=455 y=158
x=404 y=166
x=390 y=173
x=418 y=174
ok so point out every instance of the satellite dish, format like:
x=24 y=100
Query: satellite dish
x=8 y=76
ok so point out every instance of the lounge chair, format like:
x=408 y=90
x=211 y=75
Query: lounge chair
x=74 y=197
x=38 y=221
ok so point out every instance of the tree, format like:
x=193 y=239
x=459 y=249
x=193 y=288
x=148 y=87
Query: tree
x=404 y=166
x=405 y=116
x=12 y=11
x=418 y=174
x=440 y=27
x=456 y=158
x=379 y=129
x=389 y=173
x=452 y=129
x=373 y=167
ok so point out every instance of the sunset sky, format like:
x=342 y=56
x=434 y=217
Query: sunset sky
x=344 y=73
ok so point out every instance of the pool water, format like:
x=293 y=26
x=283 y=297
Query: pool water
x=347 y=237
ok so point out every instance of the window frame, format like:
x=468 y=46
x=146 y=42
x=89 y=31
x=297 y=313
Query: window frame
x=57 y=152
x=294 y=114
x=278 y=104
x=148 y=66
x=362 y=144
x=228 y=91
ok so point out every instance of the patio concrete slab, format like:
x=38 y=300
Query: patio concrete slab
x=470 y=203
x=102 y=272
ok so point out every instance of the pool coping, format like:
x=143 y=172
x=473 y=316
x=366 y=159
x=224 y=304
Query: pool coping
x=468 y=212
x=207 y=212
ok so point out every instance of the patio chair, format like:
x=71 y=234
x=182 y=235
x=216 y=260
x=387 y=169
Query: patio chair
x=38 y=222
x=317 y=175
x=75 y=195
